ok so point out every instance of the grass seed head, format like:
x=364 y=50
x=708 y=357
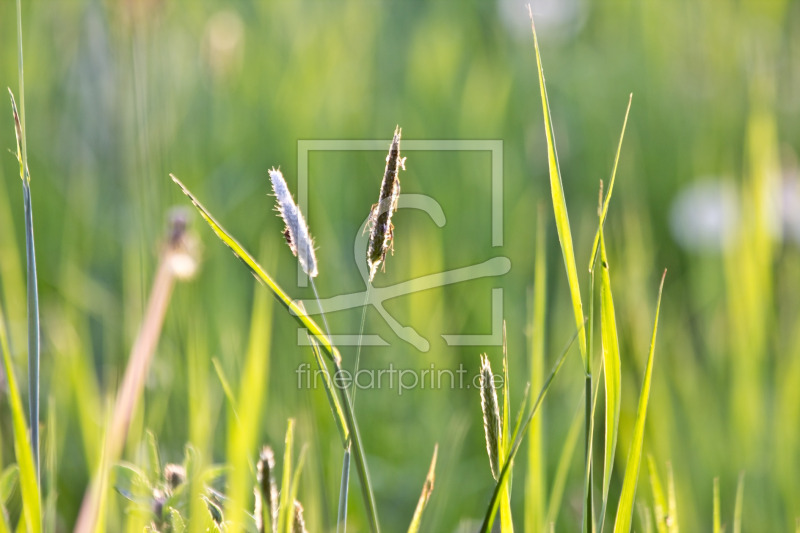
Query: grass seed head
x=491 y=415
x=380 y=218
x=296 y=232
x=298 y=523
x=267 y=490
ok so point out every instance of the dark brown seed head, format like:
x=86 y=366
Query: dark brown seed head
x=380 y=235
x=268 y=491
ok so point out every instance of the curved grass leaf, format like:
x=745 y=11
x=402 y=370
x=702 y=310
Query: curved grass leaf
x=626 y=499
x=560 y=206
x=504 y=472
x=427 y=489
x=295 y=310
x=611 y=371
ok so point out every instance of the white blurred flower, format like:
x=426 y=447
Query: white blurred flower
x=554 y=18
x=705 y=214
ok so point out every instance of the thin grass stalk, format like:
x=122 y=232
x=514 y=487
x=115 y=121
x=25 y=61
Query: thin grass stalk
x=30 y=255
x=341 y=519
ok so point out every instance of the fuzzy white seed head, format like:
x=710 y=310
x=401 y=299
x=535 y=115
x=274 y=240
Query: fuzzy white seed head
x=296 y=232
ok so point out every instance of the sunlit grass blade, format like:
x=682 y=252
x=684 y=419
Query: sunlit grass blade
x=717 y=527
x=294 y=488
x=672 y=503
x=659 y=501
x=626 y=499
x=31 y=503
x=520 y=414
x=284 y=507
x=604 y=209
x=560 y=205
x=611 y=371
x=506 y=523
x=295 y=310
x=534 y=482
x=504 y=472
x=737 y=509
x=333 y=400
x=427 y=489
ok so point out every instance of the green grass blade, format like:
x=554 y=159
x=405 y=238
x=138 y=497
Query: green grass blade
x=30 y=249
x=28 y=480
x=604 y=210
x=286 y=506
x=344 y=489
x=659 y=501
x=534 y=482
x=560 y=207
x=611 y=371
x=737 y=509
x=295 y=487
x=260 y=274
x=626 y=499
x=672 y=503
x=427 y=489
x=504 y=472
x=506 y=523
x=32 y=283
x=333 y=400
x=717 y=515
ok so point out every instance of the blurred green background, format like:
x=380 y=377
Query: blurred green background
x=120 y=93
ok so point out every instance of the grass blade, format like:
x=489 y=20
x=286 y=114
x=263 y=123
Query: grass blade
x=493 y=503
x=717 y=515
x=31 y=503
x=506 y=523
x=30 y=249
x=32 y=284
x=611 y=371
x=295 y=487
x=604 y=210
x=295 y=310
x=625 y=508
x=659 y=501
x=535 y=485
x=672 y=518
x=737 y=510
x=284 y=507
x=560 y=206
x=427 y=489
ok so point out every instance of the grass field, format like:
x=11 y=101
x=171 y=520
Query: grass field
x=118 y=95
